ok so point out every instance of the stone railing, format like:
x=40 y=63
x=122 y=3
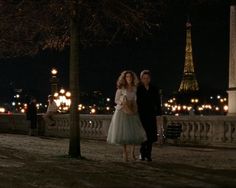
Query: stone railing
x=201 y=130
x=91 y=126
x=196 y=130
x=14 y=123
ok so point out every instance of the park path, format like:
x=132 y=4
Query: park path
x=27 y=161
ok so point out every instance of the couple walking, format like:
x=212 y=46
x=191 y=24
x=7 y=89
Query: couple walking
x=134 y=120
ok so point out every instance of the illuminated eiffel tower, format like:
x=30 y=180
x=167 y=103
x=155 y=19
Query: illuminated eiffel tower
x=189 y=82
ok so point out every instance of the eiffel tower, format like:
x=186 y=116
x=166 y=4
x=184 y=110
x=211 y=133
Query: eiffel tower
x=189 y=82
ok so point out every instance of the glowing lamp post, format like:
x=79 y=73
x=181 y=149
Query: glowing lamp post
x=63 y=100
x=54 y=72
x=54 y=81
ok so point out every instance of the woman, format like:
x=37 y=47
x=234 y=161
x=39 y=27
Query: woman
x=126 y=128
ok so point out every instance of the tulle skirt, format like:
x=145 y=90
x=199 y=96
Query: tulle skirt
x=125 y=129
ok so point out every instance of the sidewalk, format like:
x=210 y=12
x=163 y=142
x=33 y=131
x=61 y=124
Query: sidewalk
x=27 y=161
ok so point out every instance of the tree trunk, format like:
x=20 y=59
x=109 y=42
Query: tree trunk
x=74 y=147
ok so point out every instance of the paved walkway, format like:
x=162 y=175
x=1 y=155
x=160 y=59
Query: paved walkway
x=27 y=161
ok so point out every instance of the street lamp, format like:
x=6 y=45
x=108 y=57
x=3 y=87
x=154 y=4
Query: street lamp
x=54 y=72
x=54 y=81
x=63 y=100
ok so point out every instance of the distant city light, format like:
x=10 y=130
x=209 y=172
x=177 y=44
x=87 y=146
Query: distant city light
x=2 y=110
x=226 y=108
x=194 y=100
x=184 y=105
x=80 y=107
x=171 y=101
x=93 y=111
x=200 y=108
x=37 y=106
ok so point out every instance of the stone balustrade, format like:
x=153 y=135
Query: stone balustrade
x=201 y=130
x=14 y=123
x=216 y=131
x=91 y=126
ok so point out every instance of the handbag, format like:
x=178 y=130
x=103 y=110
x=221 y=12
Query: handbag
x=128 y=106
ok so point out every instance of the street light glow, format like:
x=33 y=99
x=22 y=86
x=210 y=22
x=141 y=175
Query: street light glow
x=56 y=94
x=62 y=91
x=68 y=94
x=2 y=110
x=63 y=100
x=93 y=111
x=54 y=72
x=226 y=108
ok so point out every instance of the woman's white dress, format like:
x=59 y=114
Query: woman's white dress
x=125 y=127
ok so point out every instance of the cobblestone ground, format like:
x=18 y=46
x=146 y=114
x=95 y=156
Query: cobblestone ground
x=27 y=161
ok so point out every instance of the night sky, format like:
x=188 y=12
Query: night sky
x=163 y=54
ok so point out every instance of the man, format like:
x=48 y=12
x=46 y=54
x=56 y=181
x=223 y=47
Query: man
x=149 y=106
x=51 y=110
x=31 y=114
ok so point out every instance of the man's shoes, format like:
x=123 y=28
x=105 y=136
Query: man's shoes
x=141 y=158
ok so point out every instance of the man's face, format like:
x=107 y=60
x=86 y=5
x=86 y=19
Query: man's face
x=145 y=79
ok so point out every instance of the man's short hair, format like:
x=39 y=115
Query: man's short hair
x=145 y=72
